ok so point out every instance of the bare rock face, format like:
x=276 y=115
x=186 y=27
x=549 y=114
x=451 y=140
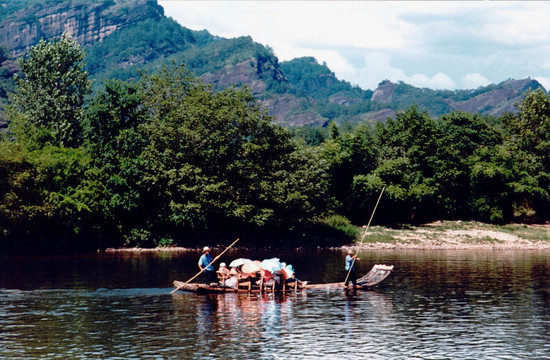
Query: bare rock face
x=86 y=22
x=280 y=107
x=307 y=118
x=253 y=73
x=381 y=115
x=384 y=92
x=342 y=100
x=239 y=74
x=498 y=101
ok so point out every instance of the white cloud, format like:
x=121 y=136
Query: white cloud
x=438 y=81
x=378 y=66
x=517 y=23
x=473 y=81
x=544 y=81
x=302 y=24
x=335 y=61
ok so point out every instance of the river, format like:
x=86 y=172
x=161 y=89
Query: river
x=436 y=305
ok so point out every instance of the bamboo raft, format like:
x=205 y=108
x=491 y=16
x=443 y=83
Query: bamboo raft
x=218 y=289
x=202 y=288
x=375 y=276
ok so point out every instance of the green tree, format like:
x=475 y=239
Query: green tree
x=20 y=198
x=491 y=175
x=528 y=129
x=50 y=94
x=41 y=205
x=461 y=135
x=407 y=166
x=215 y=161
x=529 y=142
x=115 y=143
x=313 y=136
x=348 y=155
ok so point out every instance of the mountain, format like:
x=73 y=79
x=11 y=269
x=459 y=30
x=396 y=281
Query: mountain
x=25 y=22
x=8 y=68
x=489 y=100
x=123 y=37
x=87 y=22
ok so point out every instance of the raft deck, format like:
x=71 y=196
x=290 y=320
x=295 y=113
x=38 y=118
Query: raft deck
x=376 y=275
x=218 y=289
x=202 y=288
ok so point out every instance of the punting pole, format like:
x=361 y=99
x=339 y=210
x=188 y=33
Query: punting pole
x=211 y=262
x=365 y=233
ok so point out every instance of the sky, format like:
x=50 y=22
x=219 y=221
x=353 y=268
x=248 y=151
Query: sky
x=434 y=44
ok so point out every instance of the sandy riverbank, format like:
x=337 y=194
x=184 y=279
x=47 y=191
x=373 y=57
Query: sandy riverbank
x=460 y=235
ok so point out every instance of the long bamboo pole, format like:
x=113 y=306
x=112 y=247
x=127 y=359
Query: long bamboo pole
x=364 y=233
x=211 y=262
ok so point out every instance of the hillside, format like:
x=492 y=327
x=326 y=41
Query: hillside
x=122 y=37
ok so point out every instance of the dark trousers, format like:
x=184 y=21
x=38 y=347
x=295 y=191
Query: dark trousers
x=209 y=277
x=352 y=277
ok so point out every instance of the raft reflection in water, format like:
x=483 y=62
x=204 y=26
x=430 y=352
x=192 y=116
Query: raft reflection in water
x=236 y=320
x=260 y=323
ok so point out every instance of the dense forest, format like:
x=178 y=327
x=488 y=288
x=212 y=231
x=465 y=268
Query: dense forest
x=163 y=159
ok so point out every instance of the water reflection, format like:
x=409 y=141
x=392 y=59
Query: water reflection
x=244 y=323
x=264 y=324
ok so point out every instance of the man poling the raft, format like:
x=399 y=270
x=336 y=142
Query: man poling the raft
x=351 y=258
x=205 y=264
x=200 y=272
x=350 y=269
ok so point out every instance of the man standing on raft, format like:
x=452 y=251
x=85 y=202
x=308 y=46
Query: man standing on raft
x=350 y=269
x=205 y=264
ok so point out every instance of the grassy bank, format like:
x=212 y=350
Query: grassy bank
x=460 y=235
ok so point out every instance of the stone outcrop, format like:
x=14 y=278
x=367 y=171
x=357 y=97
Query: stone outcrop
x=243 y=73
x=498 y=101
x=384 y=92
x=85 y=21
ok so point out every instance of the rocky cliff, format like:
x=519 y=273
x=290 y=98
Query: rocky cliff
x=499 y=100
x=86 y=22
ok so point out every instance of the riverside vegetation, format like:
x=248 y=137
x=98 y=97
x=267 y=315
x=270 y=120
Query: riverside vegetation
x=166 y=160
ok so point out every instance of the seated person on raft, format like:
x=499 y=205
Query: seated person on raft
x=287 y=273
x=223 y=273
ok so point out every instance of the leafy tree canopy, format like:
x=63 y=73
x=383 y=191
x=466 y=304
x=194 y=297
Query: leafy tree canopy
x=50 y=93
x=217 y=158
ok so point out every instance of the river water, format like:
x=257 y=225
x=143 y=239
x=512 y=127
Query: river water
x=435 y=305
